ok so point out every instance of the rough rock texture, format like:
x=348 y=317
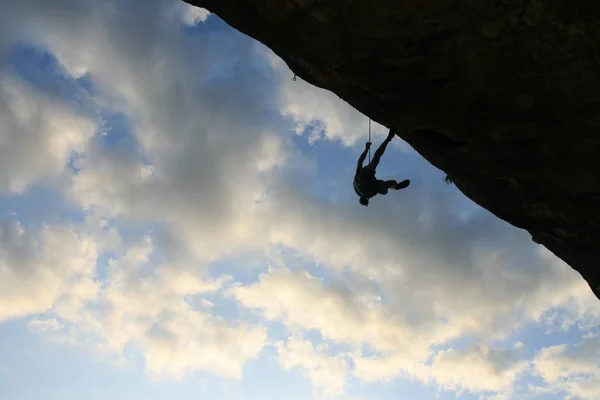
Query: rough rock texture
x=502 y=95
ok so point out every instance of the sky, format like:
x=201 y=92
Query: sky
x=177 y=221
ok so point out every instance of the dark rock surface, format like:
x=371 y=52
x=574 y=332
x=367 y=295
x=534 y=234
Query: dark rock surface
x=502 y=95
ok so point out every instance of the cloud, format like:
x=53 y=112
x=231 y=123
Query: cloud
x=35 y=270
x=37 y=135
x=327 y=373
x=478 y=369
x=201 y=154
x=303 y=301
x=148 y=306
x=191 y=15
x=204 y=143
x=474 y=275
x=571 y=369
x=44 y=325
x=352 y=312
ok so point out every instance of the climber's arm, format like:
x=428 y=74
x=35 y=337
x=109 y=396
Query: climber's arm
x=362 y=157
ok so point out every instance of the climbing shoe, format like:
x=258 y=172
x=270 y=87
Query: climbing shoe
x=403 y=184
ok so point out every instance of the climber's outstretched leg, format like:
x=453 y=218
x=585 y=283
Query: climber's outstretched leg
x=390 y=184
x=379 y=152
x=394 y=185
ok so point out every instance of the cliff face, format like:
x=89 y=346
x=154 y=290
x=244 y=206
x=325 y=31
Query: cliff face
x=502 y=95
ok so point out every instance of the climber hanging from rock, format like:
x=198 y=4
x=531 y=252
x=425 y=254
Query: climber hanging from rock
x=366 y=185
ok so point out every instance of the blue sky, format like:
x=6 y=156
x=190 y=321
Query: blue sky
x=177 y=220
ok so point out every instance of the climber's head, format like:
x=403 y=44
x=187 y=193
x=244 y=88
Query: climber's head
x=364 y=201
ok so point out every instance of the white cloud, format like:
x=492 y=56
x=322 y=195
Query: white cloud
x=473 y=275
x=494 y=397
x=148 y=306
x=303 y=301
x=44 y=325
x=327 y=373
x=37 y=135
x=208 y=140
x=478 y=369
x=35 y=272
x=191 y=15
x=354 y=314
x=387 y=367
x=572 y=369
x=192 y=341
x=137 y=57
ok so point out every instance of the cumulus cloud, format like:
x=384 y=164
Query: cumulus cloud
x=200 y=156
x=35 y=270
x=399 y=343
x=571 y=369
x=201 y=130
x=150 y=306
x=44 y=325
x=191 y=15
x=478 y=368
x=327 y=373
x=474 y=275
x=37 y=134
x=303 y=301
x=359 y=318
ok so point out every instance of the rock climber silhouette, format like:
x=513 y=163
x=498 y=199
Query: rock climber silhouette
x=366 y=185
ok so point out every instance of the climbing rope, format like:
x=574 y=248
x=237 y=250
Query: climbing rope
x=369 y=140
